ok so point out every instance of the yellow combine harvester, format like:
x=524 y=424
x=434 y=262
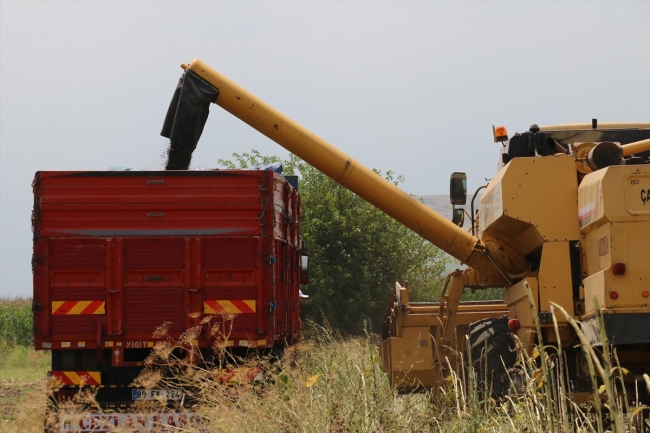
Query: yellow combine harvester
x=567 y=216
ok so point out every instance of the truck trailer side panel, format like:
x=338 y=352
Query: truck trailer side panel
x=119 y=254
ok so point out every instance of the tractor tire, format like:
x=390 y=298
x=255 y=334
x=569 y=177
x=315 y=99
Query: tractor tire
x=492 y=351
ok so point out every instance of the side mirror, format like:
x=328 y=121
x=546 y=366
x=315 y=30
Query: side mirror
x=304 y=267
x=458 y=188
x=458 y=217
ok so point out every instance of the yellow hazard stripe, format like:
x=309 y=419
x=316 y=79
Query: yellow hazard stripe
x=79 y=378
x=78 y=307
x=96 y=375
x=230 y=306
x=73 y=377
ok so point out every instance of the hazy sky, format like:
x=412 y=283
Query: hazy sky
x=410 y=87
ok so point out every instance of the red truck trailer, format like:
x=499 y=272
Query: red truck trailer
x=119 y=253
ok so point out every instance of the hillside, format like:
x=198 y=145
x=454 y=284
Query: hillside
x=439 y=203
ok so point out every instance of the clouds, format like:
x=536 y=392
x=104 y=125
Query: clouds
x=412 y=87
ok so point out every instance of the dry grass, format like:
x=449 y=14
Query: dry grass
x=22 y=406
x=332 y=384
x=22 y=389
x=324 y=384
x=22 y=369
x=329 y=383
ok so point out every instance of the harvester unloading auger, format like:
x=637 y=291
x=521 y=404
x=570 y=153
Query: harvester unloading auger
x=567 y=218
x=488 y=259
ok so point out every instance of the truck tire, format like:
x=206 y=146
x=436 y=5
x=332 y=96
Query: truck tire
x=492 y=351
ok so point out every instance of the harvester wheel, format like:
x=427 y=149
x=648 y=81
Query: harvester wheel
x=492 y=351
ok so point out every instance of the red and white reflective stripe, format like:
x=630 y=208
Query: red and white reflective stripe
x=63 y=308
x=75 y=377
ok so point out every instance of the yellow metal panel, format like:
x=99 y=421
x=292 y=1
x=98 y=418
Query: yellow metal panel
x=597 y=250
x=637 y=193
x=590 y=201
x=529 y=202
x=541 y=192
x=517 y=299
x=554 y=278
x=614 y=194
x=628 y=243
x=519 y=305
x=492 y=201
x=631 y=246
x=594 y=288
x=410 y=357
x=617 y=231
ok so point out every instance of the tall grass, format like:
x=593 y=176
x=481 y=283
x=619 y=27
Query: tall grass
x=333 y=384
x=22 y=369
x=16 y=324
x=328 y=383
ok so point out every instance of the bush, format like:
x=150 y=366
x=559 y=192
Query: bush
x=357 y=252
x=16 y=322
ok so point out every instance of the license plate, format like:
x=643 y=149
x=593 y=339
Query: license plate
x=132 y=422
x=157 y=394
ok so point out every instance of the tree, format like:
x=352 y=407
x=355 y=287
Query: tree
x=357 y=252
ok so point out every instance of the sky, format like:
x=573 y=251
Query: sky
x=408 y=87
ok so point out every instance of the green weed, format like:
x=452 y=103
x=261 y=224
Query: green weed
x=16 y=323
